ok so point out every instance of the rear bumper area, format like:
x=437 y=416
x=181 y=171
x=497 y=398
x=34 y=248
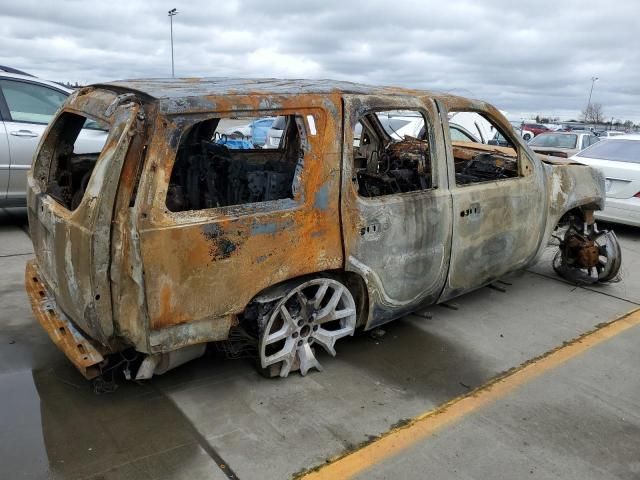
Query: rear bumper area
x=82 y=352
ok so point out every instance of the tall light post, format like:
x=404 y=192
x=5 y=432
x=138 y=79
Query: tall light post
x=586 y=112
x=172 y=13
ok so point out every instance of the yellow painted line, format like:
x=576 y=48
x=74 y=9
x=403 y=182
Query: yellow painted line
x=401 y=438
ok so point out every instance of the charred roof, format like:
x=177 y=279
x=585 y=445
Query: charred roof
x=174 y=88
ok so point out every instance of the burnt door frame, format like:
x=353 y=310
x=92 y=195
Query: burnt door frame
x=497 y=225
x=73 y=248
x=399 y=244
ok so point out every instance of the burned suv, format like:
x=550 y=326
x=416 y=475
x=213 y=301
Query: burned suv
x=175 y=235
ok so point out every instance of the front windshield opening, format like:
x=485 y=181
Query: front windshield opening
x=557 y=141
x=617 y=150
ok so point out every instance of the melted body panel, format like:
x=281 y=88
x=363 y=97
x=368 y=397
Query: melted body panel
x=84 y=353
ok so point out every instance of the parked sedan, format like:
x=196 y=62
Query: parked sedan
x=619 y=159
x=27 y=104
x=562 y=144
x=610 y=133
x=535 y=128
x=523 y=132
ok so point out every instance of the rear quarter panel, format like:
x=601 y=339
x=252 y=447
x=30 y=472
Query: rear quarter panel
x=201 y=268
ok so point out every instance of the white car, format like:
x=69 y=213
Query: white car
x=27 y=104
x=399 y=124
x=619 y=159
x=274 y=134
x=474 y=123
x=610 y=133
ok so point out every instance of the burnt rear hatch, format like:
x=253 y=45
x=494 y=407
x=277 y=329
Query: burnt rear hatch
x=70 y=196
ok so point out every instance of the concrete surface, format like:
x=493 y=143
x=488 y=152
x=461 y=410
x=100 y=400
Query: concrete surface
x=581 y=420
x=213 y=412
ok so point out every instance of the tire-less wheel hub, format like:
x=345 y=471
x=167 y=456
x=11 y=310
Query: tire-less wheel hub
x=585 y=259
x=317 y=312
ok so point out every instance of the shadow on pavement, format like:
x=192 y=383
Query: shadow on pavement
x=417 y=361
x=13 y=216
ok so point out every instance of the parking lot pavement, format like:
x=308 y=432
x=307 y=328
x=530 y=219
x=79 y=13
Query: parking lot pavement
x=217 y=418
x=578 y=420
x=13 y=233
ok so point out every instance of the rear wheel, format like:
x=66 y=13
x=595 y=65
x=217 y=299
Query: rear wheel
x=316 y=313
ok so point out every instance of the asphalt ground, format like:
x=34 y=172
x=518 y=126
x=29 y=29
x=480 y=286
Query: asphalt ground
x=495 y=386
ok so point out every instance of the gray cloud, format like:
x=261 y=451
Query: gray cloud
x=523 y=57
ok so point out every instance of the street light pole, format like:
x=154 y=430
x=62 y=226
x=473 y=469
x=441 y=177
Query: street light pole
x=586 y=112
x=171 y=14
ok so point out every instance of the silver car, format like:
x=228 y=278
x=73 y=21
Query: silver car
x=27 y=105
x=562 y=144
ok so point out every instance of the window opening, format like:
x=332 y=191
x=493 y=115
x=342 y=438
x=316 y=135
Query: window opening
x=475 y=160
x=391 y=153
x=79 y=142
x=221 y=162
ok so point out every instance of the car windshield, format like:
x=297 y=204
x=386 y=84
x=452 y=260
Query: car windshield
x=392 y=125
x=96 y=125
x=459 y=135
x=617 y=150
x=279 y=123
x=557 y=141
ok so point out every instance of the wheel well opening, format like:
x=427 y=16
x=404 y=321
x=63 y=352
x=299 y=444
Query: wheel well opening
x=252 y=318
x=578 y=214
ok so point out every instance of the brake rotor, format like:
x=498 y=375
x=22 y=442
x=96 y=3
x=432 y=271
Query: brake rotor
x=587 y=261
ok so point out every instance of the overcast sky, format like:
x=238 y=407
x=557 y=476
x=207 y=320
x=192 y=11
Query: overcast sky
x=525 y=57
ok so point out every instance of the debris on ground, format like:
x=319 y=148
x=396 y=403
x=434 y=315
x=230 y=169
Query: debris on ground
x=377 y=333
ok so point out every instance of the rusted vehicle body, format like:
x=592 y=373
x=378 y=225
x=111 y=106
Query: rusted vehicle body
x=168 y=239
